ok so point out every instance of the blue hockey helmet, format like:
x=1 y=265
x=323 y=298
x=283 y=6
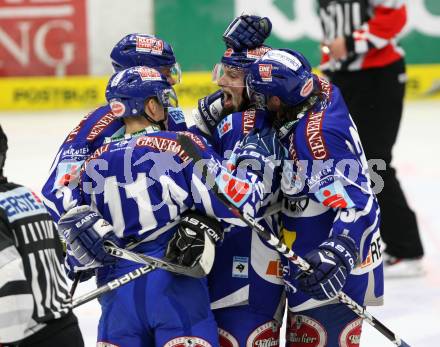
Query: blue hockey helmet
x=241 y=60
x=284 y=73
x=146 y=50
x=127 y=91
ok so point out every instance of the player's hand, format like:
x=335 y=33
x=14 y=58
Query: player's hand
x=209 y=112
x=331 y=263
x=85 y=232
x=194 y=241
x=247 y=32
x=338 y=49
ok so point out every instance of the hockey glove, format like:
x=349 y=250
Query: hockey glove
x=260 y=149
x=208 y=113
x=247 y=32
x=85 y=232
x=331 y=263
x=193 y=244
x=73 y=267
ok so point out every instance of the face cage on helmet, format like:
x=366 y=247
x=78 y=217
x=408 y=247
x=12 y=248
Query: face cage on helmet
x=175 y=72
x=167 y=98
x=219 y=71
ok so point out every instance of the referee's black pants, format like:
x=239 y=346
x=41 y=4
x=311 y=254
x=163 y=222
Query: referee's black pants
x=375 y=100
x=62 y=332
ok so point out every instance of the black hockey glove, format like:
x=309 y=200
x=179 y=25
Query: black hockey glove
x=247 y=31
x=193 y=244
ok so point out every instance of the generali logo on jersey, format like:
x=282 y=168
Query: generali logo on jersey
x=315 y=138
x=43 y=37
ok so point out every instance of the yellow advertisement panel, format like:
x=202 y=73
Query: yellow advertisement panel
x=51 y=93
x=83 y=92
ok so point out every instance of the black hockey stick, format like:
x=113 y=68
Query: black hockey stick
x=194 y=271
x=116 y=283
x=191 y=150
x=76 y=280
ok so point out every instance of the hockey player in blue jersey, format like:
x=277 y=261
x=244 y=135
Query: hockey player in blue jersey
x=245 y=285
x=141 y=183
x=330 y=213
x=90 y=133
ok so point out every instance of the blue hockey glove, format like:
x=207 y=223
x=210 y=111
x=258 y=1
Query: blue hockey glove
x=247 y=32
x=208 y=113
x=73 y=267
x=331 y=263
x=85 y=232
x=259 y=146
x=193 y=244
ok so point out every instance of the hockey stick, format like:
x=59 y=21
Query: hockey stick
x=75 y=283
x=190 y=149
x=194 y=271
x=116 y=283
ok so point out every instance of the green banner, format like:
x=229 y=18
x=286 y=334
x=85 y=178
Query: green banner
x=195 y=27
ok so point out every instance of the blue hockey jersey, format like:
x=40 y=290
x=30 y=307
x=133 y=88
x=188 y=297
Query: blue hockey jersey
x=246 y=270
x=328 y=191
x=79 y=144
x=142 y=183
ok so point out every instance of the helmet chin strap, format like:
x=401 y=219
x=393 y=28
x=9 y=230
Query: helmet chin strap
x=161 y=123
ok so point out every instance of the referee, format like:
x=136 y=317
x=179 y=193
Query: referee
x=35 y=308
x=362 y=57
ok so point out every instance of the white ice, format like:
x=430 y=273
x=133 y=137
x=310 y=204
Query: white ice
x=412 y=306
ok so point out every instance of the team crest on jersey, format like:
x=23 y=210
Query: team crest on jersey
x=266 y=335
x=265 y=71
x=226 y=339
x=225 y=126
x=187 y=341
x=304 y=331
x=118 y=108
x=149 y=45
x=148 y=74
x=351 y=334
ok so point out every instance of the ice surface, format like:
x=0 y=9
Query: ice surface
x=412 y=306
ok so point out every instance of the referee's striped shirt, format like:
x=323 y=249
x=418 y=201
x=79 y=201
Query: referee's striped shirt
x=33 y=287
x=370 y=29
